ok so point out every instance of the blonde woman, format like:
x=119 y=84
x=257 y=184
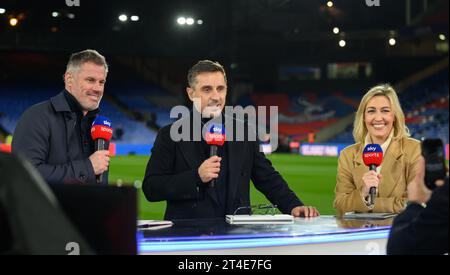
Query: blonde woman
x=380 y=120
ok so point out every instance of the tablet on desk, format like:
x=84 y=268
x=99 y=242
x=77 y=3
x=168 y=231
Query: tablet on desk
x=153 y=224
x=368 y=216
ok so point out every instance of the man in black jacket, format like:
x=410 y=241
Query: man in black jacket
x=55 y=135
x=180 y=172
x=419 y=229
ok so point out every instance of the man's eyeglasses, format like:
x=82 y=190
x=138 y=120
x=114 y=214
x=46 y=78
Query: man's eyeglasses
x=260 y=209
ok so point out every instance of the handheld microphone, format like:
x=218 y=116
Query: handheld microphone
x=214 y=137
x=101 y=133
x=372 y=157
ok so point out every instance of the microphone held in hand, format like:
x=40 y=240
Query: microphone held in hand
x=372 y=157
x=215 y=137
x=101 y=133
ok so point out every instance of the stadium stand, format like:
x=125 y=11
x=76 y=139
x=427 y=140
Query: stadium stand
x=305 y=113
x=138 y=100
x=15 y=100
x=426 y=108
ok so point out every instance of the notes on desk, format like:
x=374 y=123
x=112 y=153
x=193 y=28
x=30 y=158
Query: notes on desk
x=153 y=224
x=260 y=219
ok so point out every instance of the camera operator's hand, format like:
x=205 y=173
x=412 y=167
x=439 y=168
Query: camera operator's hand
x=417 y=191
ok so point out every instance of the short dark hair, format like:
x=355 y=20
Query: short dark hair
x=78 y=59
x=204 y=66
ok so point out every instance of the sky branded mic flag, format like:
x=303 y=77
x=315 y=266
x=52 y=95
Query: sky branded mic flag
x=216 y=135
x=373 y=155
x=101 y=129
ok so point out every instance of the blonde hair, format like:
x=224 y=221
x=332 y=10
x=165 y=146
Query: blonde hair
x=400 y=128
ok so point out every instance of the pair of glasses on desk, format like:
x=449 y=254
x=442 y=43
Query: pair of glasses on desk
x=260 y=209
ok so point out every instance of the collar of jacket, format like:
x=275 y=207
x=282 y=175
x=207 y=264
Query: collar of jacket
x=73 y=103
x=395 y=149
x=60 y=104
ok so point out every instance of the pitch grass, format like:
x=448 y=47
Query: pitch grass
x=311 y=178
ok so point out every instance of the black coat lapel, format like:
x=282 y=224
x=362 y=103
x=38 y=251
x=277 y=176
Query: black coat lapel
x=70 y=120
x=236 y=154
x=192 y=153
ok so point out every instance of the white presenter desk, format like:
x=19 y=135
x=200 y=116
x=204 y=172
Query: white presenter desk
x=313 y=236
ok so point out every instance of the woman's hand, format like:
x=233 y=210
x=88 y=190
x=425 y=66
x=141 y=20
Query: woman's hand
x=370 y=179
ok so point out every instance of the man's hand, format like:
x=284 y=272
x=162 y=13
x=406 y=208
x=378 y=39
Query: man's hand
x=305 y=211
x=417 y=191
x=209 y=169
x=100 y=161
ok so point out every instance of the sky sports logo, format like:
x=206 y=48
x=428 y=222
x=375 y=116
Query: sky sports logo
x=102 y=129
x=217 y=130
x=371 y=149
x=372 y=155
x=216 y=136
x=101 y=120
x=106 y=129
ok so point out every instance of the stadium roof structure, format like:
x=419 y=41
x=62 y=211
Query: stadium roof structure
x=229 y=28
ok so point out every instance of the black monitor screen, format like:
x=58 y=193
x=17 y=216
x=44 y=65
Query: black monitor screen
x=104 y=215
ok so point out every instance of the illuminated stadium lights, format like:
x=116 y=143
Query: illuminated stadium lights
x=187 y=21
x=2 y=11
x=392 y=41
x=181 y=21
x=123 y=18
x=330 y=4
x=55 y=14
x=190 y=21
x=336 y=30
x=134 y=18
x=342 y=43
x=442 y=37
x=13 y=22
